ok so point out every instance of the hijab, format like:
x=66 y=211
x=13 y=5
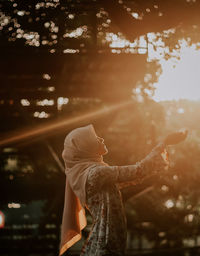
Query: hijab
x=80 y=153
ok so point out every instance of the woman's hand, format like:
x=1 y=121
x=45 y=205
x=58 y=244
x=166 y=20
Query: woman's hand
x=176 y=137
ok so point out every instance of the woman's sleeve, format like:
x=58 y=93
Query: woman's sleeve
x=104 y=175
x=152 y=163
x=134 y=191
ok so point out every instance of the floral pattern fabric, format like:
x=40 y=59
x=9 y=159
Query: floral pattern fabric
x=104 y=201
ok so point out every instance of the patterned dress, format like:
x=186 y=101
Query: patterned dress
x=104 y=201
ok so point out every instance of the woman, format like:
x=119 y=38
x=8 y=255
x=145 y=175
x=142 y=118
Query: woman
x=92 y=183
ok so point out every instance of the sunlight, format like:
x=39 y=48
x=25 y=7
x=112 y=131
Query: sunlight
x=27 y=134
x=180 y=79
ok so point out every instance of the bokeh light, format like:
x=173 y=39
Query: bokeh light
x=2 y=219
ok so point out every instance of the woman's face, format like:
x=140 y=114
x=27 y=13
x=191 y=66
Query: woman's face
x=102 y=147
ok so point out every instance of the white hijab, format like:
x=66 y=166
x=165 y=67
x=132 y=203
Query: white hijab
x=81 y=152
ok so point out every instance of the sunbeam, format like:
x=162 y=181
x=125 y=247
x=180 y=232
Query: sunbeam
x=56 y=125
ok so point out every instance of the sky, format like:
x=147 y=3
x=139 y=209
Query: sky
x=180 y=79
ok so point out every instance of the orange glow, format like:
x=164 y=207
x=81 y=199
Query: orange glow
x=2 y=220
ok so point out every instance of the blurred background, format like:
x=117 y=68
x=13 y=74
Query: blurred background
x=132 y=68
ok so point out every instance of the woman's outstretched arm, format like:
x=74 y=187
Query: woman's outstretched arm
x=105 y=175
